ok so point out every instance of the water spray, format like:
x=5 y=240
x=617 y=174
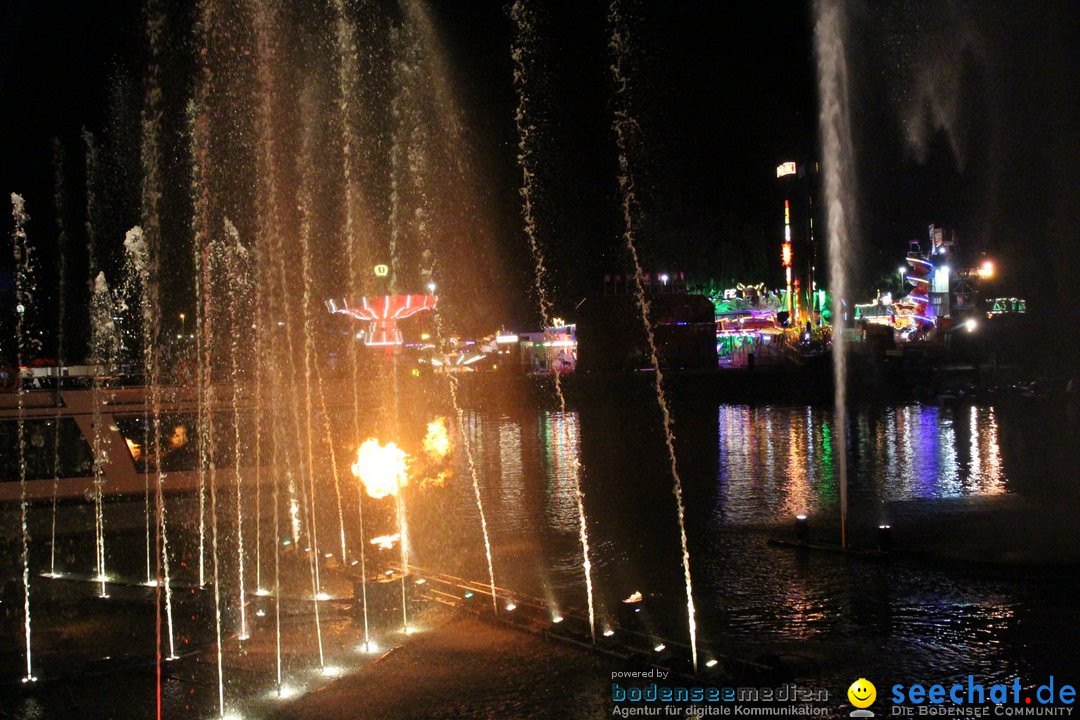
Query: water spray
x=523 y=49
x=624 y=125
x=837 y=164
x=24 y=296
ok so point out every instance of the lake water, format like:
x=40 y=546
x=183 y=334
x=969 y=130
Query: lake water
x=967 y=478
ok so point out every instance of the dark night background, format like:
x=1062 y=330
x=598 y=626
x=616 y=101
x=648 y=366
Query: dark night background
x=964 y=115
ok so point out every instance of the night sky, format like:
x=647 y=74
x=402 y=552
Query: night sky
x=964 y=115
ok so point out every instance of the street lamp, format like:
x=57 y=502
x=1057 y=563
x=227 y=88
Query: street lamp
x=183 y=323
x=431 y=288
x=903 y=271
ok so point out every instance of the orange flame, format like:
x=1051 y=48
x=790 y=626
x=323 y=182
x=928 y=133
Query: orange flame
x=437 y=440
x=385 y=542
x=381 y=468
x=437 y=480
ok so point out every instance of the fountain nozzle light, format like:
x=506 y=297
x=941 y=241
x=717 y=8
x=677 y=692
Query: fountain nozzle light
x=884 y=538
x=802 y=528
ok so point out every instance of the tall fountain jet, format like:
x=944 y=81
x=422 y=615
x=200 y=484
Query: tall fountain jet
x=24 y=295
x=623 y=126
x=61 y=254
x=838 y=167
x=523 y=52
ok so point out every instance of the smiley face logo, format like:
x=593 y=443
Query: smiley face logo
x=862 y=693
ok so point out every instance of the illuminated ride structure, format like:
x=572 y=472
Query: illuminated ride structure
x=382 y=314
x=929 y=299
x=916 y=304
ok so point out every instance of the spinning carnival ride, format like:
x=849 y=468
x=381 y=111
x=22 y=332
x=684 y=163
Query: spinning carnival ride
x=382 y=314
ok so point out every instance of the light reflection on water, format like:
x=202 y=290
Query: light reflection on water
x=903 y=453
x=749 y=469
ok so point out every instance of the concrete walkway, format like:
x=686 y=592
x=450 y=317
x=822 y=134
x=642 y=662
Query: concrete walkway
x=465 y=669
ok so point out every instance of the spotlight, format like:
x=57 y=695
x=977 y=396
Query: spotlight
x=421 y=581
x=511 y=607
x=970 y=324
x=661 y=647
x=609 y=632
x=557 y=619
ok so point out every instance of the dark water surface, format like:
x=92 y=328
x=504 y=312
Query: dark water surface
x=988 y=494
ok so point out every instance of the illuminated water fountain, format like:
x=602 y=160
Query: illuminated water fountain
x=259 y=368
x=624 y=126
x=522 y=53
x=838 y=167
x=24 y=295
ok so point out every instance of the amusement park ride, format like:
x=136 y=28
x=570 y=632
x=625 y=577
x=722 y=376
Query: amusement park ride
x=939 y=295
x=383 y=312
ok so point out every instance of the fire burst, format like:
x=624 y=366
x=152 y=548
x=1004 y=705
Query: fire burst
x=386 y=542
x=437 y=440
x=381 y=468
